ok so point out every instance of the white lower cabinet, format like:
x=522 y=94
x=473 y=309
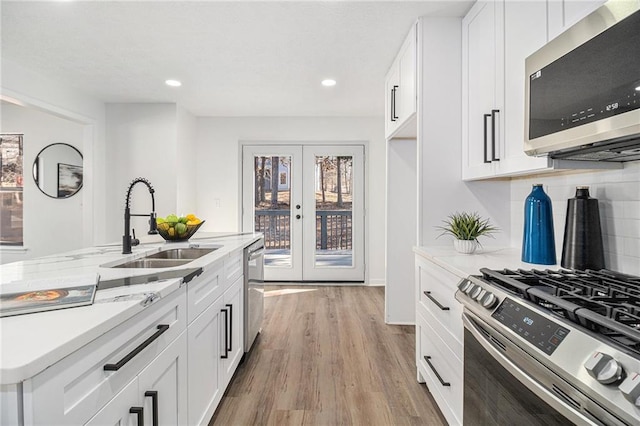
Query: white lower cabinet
x=205 y=348
x=157 y=396
x=439 y=337
x=233 y=332
x=168 y=365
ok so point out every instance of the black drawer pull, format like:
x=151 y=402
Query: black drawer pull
x=442 y=382
x=115 y=367
x=230 y=348
x=226 y=334
x=154 y=402
x=428 y=294
x=486 y=160
x=139 y=412
x=493 y=134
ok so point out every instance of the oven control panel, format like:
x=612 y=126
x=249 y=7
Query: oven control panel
x=478 y=294
x=541 y=332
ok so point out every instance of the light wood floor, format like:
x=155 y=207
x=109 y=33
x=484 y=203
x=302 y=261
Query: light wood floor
x=326 y=357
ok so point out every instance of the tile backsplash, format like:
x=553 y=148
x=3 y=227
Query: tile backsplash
x=618 y=194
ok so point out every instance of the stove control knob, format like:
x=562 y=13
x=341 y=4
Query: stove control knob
x=489 y=300
x=604 y=368
x=630 y=389
x=463 y=285
x=470 y=289
x=476 y=293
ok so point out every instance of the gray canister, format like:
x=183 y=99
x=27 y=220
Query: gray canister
x=582 y=246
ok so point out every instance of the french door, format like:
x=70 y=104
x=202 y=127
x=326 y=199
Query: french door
x=308 y=200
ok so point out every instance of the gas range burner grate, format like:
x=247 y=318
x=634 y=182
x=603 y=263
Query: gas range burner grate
x=604 y=302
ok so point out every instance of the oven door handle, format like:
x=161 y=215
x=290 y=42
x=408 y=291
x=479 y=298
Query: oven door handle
x=535 y=387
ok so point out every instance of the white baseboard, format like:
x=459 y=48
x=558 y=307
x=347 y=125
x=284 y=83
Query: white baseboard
x=376 y=283
x=399 y=323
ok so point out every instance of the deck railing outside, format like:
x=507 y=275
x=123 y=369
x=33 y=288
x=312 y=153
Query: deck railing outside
x=333 y=229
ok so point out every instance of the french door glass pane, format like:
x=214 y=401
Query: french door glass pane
x=272 y=196
x=334 y=202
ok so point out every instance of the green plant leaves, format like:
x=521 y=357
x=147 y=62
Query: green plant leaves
x=467 y=226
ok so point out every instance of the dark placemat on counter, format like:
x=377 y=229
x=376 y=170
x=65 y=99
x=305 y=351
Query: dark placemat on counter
x=186 y=274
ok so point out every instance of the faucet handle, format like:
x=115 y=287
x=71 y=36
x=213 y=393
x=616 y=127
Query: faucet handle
x=153 y=227
x=134 y=240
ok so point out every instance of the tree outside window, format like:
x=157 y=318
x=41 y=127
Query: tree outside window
x=11 y=186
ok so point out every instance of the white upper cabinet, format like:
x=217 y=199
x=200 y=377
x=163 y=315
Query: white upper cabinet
x=497 y=37
x=565 y=13
x=482 y=94
x=400 y=91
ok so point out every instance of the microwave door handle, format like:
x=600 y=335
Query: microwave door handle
x=493 y=135
x=535 y=387
x=485 y=138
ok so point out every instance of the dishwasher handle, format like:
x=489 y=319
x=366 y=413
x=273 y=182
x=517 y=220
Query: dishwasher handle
x=256 y=253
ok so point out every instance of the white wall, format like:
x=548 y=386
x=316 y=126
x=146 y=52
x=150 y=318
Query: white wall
x=141 y=142
x=219 y=174
x=37 y=92
x=50 y=225
x=186 y=197
x=618 y=193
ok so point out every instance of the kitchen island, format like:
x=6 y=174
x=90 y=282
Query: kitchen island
x=86 y=365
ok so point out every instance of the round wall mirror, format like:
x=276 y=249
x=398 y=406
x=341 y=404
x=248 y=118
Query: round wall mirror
x=57 y=170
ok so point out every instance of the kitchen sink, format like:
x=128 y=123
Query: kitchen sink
x=152 y=263
x=189 y=253
x=165 y=258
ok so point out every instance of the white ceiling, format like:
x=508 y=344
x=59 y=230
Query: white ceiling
x=236 y=58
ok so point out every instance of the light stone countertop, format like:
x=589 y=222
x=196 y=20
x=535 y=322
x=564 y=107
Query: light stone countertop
x=30 y=343
x=464 y=265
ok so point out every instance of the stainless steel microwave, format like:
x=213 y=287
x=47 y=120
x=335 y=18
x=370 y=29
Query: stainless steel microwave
x=582 y=94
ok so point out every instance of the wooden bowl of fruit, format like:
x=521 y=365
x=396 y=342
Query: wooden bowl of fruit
x=175 y=228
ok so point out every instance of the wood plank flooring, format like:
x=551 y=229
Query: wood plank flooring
x=326 y=357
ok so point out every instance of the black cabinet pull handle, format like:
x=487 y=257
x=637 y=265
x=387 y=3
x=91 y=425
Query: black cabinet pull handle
x=493 y=134
x=139 y=412
x=428 y=294
x=442 y=382
x=154 y=406
x=117 y=366
x=486 y=160
x=226 y=335
x=392 y=102
x=230 y=348
x=394 y=117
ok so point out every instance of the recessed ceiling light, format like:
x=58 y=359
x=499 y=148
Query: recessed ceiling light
x=638 y=88
x=173 y=83
x=328 y=82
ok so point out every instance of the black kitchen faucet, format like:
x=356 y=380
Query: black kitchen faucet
x=127 y=240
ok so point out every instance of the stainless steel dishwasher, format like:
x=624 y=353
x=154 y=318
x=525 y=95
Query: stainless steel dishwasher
x=253 y=292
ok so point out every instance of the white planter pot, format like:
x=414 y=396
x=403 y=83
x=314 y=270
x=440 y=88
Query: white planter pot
x=465 y=246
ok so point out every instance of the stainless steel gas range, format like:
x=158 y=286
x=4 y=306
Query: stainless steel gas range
x=551 y=347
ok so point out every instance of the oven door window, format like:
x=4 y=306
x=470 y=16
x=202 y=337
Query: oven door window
x=492 y=396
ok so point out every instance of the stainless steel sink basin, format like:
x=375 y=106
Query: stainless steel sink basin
x=153 y=263
x=181 y=253
x=166 y=258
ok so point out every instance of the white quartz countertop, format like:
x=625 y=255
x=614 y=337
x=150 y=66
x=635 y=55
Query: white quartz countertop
x=464 y=265
x=30 y=343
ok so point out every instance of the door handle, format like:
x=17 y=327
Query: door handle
x=226 y=335
x=139 y=411
x=493 y=134
x=154 y=402
x=117 y=366
x=486 y=160
x=230 y=348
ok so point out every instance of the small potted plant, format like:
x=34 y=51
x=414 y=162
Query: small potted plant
x=466 y=228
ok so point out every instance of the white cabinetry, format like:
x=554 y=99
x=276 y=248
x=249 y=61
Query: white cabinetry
x=156 y=396
x=215 y=335
x=439 y=337
x=497 y=37
x=565 y=13
x=144 y=347
x=400 y=91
